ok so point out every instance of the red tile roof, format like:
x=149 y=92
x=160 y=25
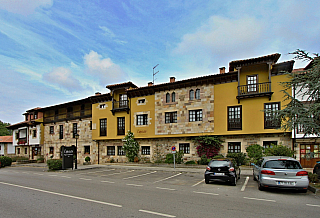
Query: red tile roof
x=6 y=139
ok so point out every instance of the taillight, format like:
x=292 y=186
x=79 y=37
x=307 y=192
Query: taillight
x=302 y=173
x=231 y=169
x=267 y=172
x=208 y=168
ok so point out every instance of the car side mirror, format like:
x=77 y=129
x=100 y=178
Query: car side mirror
x=252 y=164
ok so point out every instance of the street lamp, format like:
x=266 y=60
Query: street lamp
x=76 y=163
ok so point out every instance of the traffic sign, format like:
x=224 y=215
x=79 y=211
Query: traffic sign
x=173 y=148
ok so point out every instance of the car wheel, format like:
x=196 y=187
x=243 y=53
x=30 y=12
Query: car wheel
x=206 y=181
x=234 y=182
x=254 y=178
x=261 y=188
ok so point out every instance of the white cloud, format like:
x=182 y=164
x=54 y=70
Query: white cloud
x=106 y=71
x=24 y=7
x=107 y=31
x=63 y=78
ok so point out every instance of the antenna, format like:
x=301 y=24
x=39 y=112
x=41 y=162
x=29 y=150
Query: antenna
x=154 y=72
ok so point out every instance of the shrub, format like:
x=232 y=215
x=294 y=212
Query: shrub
x=87 y=159
x=130 y=146
x=279 y=150
x=5 y=161
x=190 y=162
x=54 y=164
x=208 y=145
x=254 y=152
x=218 y=156
x=178 y=157
x=240 y=158
x=313 y=177
x=15 y=158
x=204 y=160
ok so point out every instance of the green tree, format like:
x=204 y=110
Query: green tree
x=255 y=152
x=279 y=150
x=208 y=145
x=130 y=146
x=3 y=130
x=306 y=88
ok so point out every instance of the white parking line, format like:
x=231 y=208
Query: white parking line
x=170 y=189
x=206 y=193
x=66 y=177
x=245 y=184
x=40 y=174
x=313 y=205
x=107 y=181
x=85 y=179
x=135 y=185
x=156 y=213
x=167 y=178
x=52 y=175
x=63 y=195
x=197 y=183
x=259 y=199
x=117 y=173
x=140 y=175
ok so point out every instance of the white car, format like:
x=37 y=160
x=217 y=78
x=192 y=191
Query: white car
x=280 y=172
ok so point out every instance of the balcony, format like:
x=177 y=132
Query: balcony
x=122 y=105
x=254 y=90
x=68 y=116
x=22 y=141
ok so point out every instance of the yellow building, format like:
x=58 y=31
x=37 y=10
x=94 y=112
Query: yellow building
x=229 y=105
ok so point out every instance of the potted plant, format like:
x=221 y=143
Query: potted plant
x=87 y=161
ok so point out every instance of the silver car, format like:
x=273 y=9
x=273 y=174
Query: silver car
x=280 y=172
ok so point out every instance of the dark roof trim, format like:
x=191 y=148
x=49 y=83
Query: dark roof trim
x=67 y=104
x=125 y=85
x=263 y=59
x=283 y=67
x=100 y=98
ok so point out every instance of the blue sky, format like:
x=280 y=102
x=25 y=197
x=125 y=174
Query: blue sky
x=55 y=51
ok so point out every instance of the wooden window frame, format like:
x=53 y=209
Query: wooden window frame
x=234 y=114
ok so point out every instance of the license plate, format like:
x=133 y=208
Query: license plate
x=286 y=183
x=219 y=174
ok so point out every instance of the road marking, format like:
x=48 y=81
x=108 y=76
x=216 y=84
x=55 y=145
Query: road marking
x=40 y=174
x=245 y=184
x=206 y=193
x=63 y=195
x=313 y=205
x=259 y=199
x=168 y=178
x=107 y=181
x=197 y=183
x=156 y=213
x=85 y=179
x=117 y=173
x=66 y=177
x=140 y=175
x=135 y=185
x=52 y=175
x=170 y=189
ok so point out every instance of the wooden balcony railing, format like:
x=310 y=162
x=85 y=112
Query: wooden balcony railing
x=254 y=90
x=68 y=116
x=122 y=105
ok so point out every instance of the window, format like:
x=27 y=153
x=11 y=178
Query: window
x=142 y=119
x=75 y=129
x=51 y=149
x=145 y=150
x=51 y=129
x=26 y=117
x=87 y=149
x=270 y=120
x=268 y=144
x=191 y=94
x=171 y=117
x=25 y=150
x=34 y=133
x=235 y=118
x=121 y=152
x=173 y=97
x=121 y=126
x=195 y=115
x=123 y=100
x=167 y=98
x=185 y=147
x=110 y=150
x=198 y=94
x=141 y=101
x=252 y=81
x=102 y=106
x=61 y=132
x=234 y=147
x=103 y=127
x=18 y=150
x=36 y=116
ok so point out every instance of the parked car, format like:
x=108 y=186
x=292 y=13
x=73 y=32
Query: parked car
x=224 y=169
x=316 y=169
x=280 y=172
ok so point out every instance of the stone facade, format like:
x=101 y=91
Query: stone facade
x=183 y=105
x=53 y=142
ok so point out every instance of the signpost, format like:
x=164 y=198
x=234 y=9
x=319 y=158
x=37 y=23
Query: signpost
x=173 y=150
x=67 y=157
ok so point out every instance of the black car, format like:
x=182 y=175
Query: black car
x=222 y=170
x=316 y=169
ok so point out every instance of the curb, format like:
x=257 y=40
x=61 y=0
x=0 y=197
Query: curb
x=313 y=189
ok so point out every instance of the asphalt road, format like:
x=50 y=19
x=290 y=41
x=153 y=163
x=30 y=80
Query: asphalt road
x=125 y=192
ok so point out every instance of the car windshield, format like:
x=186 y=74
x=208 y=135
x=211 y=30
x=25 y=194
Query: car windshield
x=282 y=164
x=219 y=163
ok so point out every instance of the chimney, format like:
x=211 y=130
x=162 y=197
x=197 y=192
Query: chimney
x=150 y=84
x=222 y=70
x=97 y=93
x=172 y=79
